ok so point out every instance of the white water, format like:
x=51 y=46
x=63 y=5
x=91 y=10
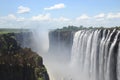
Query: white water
x=92 y=56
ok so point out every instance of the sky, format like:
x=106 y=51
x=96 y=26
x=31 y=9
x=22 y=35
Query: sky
x=49 y=14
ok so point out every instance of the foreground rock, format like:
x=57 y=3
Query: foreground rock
x=18 y=63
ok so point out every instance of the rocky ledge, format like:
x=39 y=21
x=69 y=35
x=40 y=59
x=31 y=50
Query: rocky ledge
x=17 y=63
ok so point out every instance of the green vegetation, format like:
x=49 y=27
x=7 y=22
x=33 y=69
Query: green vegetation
x=70 y=28
x=6 y=30
x=76 y=28
x=14 y=58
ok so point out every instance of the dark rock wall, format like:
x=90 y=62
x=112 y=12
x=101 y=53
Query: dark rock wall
x=16 y=72
x=18 y=63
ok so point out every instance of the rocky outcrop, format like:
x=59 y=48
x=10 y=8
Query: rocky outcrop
x=17 y=63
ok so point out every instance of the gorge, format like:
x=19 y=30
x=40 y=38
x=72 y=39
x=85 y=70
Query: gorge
x=87 y=54
x=93 y=54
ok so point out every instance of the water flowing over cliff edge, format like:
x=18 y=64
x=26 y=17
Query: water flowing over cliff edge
x=94 y=56
x=89 y=54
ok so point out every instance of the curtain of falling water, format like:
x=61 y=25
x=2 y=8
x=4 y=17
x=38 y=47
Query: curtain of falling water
x=94 y=54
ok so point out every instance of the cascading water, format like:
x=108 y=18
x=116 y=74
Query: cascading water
x=94 y=54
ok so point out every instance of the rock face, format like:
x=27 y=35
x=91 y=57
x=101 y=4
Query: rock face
x=60 y=43
x=18 y=63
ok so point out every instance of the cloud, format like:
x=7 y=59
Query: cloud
x=113 y=15
x=12 y=21
x=83 y=17
x=47 y=17
x=61 y=19
x=49 y=22
x=11 y=16
x=107 y=16
x=21 y=19
x=41 y=17
x=101 y=15
x=22 y=10
x=56 y=6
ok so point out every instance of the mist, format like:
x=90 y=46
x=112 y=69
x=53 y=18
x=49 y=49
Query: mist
x=40 y=41
x=83 y=60
x=57 y=59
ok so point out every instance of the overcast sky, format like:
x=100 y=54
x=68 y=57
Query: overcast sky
x=48 y=14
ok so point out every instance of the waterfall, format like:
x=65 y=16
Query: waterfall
x=95 y=54
x=86 y=55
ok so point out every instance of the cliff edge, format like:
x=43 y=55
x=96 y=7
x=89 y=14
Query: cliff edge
x=18 y=63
